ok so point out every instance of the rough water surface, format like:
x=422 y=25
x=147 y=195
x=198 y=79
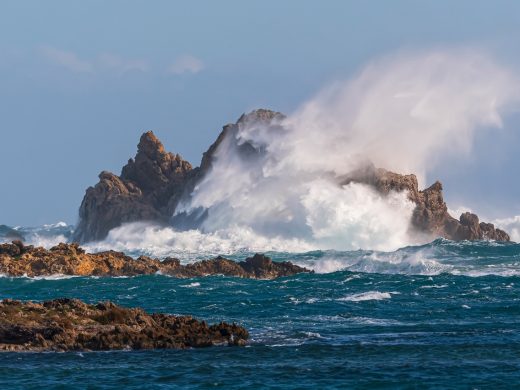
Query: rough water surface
x=442 y=315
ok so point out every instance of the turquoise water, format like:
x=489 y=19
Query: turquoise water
x=444 y=315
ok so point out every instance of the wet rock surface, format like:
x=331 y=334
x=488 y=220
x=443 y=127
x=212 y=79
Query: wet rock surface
x=16 y=259
x=72 y=325
x=430 y=215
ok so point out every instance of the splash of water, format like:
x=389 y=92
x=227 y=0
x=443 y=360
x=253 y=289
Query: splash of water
x=403 y=113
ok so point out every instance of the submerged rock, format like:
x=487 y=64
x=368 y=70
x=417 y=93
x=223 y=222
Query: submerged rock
x=16 y=259
x=72 y=325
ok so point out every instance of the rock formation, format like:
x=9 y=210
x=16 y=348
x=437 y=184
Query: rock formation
x=71 y=325
x=431 y=215
x=151 y=186
x=147 y=189
x=16 y=259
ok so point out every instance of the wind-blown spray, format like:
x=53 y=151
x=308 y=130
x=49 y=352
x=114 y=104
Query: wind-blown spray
x=404 y=113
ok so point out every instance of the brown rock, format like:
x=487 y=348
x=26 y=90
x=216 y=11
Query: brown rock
x=71 y=325
x=69 y=259
x=151 y=186
x=147 y=190
x=431 y=215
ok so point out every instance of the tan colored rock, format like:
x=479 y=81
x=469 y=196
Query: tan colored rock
x=69 y=259
x=147 y=190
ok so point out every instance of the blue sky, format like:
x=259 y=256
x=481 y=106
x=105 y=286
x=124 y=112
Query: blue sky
x=81 y=80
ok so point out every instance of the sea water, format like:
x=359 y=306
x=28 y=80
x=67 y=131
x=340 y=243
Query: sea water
x=441 y=315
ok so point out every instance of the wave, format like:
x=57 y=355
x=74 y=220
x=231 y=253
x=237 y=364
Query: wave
x=366 y=296
x=476 y=258
x=46 y=235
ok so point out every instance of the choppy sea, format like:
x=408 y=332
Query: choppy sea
x=441 y=315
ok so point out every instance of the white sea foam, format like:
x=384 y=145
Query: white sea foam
x=417 y=261
x=144 y=238
x=366 y=296
x=510 y=225
x=191 y=285
x=435 y=286
x=50 y=277
x=45 y=241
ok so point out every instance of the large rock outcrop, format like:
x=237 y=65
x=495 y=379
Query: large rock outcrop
x=17 y=259
x=151 y=186
x=71 y=325
x=430 y=215
x=147 y=190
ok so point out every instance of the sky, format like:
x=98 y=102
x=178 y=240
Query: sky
x=81 y=80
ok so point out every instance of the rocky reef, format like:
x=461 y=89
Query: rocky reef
x=16 y=259
x=72 y=325
x=151 y=186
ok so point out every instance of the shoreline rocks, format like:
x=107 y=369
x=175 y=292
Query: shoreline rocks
x=72 y=325
x=17 y=259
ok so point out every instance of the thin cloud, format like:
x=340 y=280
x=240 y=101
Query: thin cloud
x=66 y=59
x=115 y=62
x=186 y=64
x=103 y=62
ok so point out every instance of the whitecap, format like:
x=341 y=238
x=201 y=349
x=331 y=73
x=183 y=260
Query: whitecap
x=366 y=296
x=191 y=285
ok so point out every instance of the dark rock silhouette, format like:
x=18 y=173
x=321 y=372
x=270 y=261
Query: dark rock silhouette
x=147 y=190
x=16 y=259
x=72 y=325
x=151 y=186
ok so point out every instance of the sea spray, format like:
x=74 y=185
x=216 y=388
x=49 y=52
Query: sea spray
x=405 y=113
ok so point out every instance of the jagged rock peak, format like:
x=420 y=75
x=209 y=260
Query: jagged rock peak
x=260 y=115
x=150 y=145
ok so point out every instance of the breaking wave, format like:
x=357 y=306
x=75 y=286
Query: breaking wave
x=280 y=179
x=470 y=258
x=284 y=195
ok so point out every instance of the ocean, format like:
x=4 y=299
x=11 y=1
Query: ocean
x=440 y=315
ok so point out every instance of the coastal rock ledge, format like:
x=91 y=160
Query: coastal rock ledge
x=72 y=325
x=17 y=259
